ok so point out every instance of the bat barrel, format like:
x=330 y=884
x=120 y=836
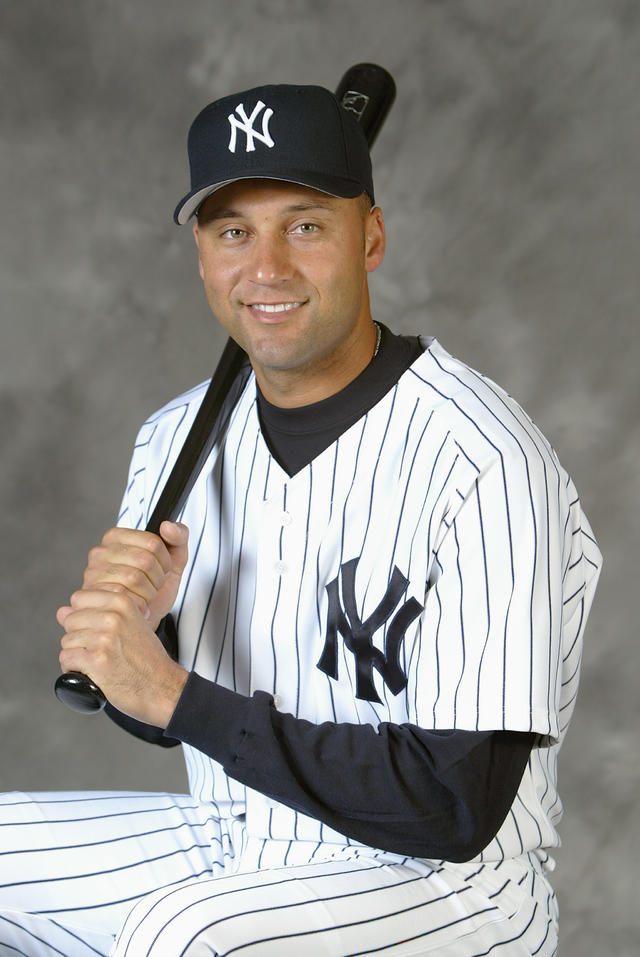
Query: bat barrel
x=368 y=91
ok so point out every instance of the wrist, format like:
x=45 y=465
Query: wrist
x=167 y=702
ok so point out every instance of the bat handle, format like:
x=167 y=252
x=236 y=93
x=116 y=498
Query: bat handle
x=79 y=693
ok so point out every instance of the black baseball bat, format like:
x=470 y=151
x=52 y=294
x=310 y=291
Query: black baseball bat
x=368 y=91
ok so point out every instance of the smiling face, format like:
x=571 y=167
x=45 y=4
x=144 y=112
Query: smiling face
x=285 y=273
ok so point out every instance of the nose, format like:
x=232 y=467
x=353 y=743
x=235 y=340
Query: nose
x=270 y=261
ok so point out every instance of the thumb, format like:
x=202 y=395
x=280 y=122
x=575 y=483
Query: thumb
x=175 y=535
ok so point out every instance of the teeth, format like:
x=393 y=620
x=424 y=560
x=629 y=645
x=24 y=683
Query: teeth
x=274 y=307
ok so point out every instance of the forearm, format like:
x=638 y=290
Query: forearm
x=152 y=734
x=441 y=795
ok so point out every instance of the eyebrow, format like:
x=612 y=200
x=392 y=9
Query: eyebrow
x=219 y=212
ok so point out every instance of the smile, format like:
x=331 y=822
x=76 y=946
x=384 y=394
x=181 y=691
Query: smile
x=275 y=306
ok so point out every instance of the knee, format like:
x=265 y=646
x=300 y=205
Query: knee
x=168 y=922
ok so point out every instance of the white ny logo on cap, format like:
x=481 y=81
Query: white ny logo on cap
x=245 y=124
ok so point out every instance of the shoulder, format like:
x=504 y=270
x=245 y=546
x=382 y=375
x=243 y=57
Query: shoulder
x=481 y=417
x=175 y=416
x=163 y=433
x=176 y=407
x=180 y=411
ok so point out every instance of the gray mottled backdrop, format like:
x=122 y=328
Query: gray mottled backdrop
x=508 y=171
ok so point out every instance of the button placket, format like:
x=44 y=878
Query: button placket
x=274 y=582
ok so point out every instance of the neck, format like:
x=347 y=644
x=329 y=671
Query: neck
x=324 y=377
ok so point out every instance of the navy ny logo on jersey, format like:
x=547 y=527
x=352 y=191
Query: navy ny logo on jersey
x=358 y=635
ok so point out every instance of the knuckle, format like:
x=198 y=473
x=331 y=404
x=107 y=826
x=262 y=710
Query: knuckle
x=132 y=576
x=158 y=552
x=144 y=561
x=123 y=603
x=155 y=544
x=95 y=554
x=111 y=621
x=103 y=643
x=133 y=580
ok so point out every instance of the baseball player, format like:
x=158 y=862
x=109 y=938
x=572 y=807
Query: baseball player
x=379 y=585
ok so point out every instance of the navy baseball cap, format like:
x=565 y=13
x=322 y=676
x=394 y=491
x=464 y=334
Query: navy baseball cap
x=299 y=134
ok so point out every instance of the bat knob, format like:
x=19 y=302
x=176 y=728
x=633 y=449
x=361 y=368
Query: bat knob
x=79 y=693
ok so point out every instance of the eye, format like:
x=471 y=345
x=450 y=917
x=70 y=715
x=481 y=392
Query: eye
x=234 y=232
x=306 y=229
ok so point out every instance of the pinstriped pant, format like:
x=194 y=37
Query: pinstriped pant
x=159 y=876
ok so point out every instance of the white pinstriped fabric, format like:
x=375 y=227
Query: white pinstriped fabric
x=448 y=480
x=73 y=864
x=96 y=854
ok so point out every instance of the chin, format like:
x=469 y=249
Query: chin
x=279 y=353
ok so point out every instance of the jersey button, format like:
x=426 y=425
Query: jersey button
x=286 y=518
x=281 y=568
x=277 y=701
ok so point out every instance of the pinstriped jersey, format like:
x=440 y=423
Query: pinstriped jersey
x=433 y=566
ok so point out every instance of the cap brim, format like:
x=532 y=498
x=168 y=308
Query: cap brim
x=333 y=186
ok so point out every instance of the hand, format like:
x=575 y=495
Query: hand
x=108 y=638
x=130 y=584
x=147 y=567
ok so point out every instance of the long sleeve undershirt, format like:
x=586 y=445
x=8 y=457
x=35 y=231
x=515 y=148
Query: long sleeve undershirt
x=417 y=792
x=434 y=794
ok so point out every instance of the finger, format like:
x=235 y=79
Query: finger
x=88 y=637
x=82 y=653
x=155 y=561
x=90 y=627
x=61 y=614
x=122 y=579
x=75 y=659
x=101 y=601
x=134 y=537
x=117 y=588
x=176 y=537
x=174 y=533
x=120 y=540
x=138 y=569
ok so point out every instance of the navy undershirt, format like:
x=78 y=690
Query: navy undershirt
x=297 y=436
x=424 y=793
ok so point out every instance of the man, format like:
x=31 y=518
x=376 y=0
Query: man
x=380 y=585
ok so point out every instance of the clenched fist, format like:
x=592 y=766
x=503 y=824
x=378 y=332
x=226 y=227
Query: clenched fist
x=148 y=567
x=130 y=583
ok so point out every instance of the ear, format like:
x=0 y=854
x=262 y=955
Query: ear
x=196 y=236
x=375 y=239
